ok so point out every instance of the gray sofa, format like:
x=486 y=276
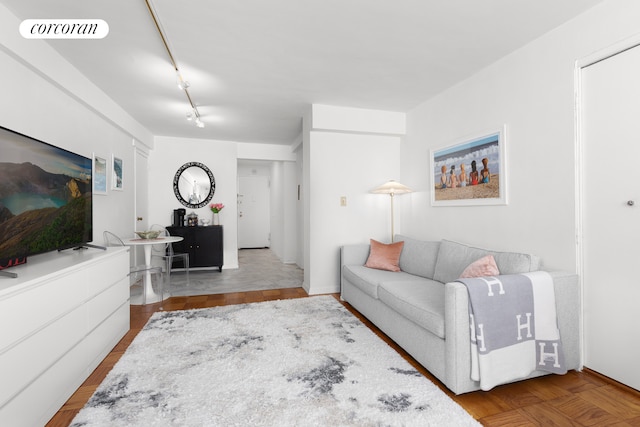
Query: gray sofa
x=424 y=310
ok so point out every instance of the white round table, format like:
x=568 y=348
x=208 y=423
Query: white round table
x=146 y=244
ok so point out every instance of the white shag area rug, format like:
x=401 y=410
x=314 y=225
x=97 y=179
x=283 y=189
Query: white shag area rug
x=299 y=362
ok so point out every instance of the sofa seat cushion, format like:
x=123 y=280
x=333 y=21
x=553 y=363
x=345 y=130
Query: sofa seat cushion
x=369 y=279
x=421 y=301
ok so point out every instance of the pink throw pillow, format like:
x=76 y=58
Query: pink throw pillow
x=485 y=266
x=383 y=256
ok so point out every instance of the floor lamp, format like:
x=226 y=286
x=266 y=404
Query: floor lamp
x=392 y=188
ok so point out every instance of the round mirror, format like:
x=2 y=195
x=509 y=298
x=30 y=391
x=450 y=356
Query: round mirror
x=194 y=185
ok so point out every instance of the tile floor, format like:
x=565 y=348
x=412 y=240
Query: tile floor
x=259 y=269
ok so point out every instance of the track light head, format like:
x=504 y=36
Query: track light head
x=182 y=83
x=194 y=115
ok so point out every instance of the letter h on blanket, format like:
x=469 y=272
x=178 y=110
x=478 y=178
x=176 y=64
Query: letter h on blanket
x=514 y=328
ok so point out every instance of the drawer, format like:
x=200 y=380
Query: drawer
x=104 y=274
x=27 y=360
x=31 y=310
x=101 y=306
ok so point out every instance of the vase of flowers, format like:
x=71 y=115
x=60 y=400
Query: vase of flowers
x=216 y=208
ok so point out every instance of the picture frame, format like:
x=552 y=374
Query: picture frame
x=116 y=173
x=471 y=171
x=99 y=174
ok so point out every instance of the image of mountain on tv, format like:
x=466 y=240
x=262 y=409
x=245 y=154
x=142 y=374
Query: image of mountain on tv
x=45 y=197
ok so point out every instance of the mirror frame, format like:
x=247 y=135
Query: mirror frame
x=176 y=189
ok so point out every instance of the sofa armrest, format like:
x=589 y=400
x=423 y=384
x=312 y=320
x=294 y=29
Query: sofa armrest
x=354 y=254
x=457 y=337
x=457 y=332
x=569 y=312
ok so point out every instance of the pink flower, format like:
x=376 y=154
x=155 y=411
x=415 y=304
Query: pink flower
x=216 y=207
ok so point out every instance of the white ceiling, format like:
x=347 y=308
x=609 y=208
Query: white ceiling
x=255 y=65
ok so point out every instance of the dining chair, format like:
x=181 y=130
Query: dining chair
x=167 y=254
x=137 y=273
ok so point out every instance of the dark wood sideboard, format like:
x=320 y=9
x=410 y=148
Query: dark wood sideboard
x=203 y=244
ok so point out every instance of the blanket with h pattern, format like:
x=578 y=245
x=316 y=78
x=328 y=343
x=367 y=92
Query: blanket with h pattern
x=514 y=328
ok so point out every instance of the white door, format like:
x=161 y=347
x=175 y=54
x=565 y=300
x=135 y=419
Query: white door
x=141 y=199
x=611 y=215
x=253 y=212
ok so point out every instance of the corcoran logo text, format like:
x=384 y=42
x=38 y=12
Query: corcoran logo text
x=64 y=29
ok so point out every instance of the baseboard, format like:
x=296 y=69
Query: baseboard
x=612 y=381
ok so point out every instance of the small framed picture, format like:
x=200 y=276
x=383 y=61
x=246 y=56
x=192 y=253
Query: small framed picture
x=116 y=173
x=99 y=174
x=471 y=171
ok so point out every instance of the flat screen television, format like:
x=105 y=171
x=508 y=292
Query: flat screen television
x=45 y=198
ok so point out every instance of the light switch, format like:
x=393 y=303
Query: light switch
x=343 y=201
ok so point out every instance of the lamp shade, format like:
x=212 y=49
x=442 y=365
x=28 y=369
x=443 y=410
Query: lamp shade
x=391 y=187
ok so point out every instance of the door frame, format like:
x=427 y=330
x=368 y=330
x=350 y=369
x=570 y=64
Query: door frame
x=140 y=196
x=580 y=65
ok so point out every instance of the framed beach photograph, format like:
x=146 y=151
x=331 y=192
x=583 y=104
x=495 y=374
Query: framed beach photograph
x=471 y=171
x=116 y=173
x=99 y=174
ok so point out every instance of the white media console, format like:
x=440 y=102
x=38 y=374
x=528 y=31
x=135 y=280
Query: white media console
x=58 y=320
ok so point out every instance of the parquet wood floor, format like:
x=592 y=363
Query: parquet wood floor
x=575 y=399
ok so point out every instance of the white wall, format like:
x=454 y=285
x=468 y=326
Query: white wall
x=283 y=211
x=347 y=119
x=301 y=229
x=45 y=98
x=258 y=151
x=254 y=168
x=277 y=208
x=221 y=158
x=345 y=164
x=532 y=92
x=289 y=219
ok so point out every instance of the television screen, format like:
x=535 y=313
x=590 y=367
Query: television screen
x=45 y=198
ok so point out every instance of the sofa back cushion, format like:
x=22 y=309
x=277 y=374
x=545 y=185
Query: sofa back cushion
x=454 y=257
x=418 y=256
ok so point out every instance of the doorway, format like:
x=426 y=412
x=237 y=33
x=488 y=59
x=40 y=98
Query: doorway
x=141 y=197
x=253 y=212
x=609 y=212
